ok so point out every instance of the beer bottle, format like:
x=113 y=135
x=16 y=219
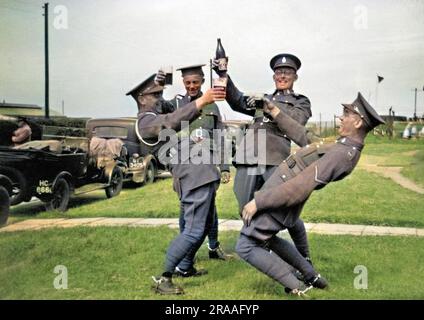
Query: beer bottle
x=220 y=52
x=221 y=57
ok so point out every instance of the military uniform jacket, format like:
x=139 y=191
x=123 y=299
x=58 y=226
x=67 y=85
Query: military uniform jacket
x=187 y=176
x=283 y=195
x=296 y=106
x=209 y=120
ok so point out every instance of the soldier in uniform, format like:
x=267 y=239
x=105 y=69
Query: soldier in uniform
x=251 y=175
x=193 y=79
x=195 y=184
x=279 y=202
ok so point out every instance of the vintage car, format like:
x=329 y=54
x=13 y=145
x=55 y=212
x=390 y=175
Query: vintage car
x=53 y=170
x=142 y=165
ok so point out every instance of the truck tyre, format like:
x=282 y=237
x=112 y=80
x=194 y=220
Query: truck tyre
x=4 y=205
x=19 y=185
x=116 y=182
x=150 y=173
x=60 y=197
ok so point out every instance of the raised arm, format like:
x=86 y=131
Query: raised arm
x=150 y=124
x=290 y=127
x=235 y=99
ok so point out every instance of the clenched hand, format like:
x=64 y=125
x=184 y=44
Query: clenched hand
x=248 y=212
x=225 y=177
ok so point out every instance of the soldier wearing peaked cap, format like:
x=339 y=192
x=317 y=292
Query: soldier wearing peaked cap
x=149 y=96
x=278 y=204
x=202 y=127
x=195 y=185
x=251 y=175
x=147 y=91
x=147 y=86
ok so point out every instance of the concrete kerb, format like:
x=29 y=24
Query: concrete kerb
x=224 y=225
x=336 y=228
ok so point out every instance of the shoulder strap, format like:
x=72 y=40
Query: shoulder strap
x=139 y=135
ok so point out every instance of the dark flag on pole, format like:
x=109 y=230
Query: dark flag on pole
x=379 y=78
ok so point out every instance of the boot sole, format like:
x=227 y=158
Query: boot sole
x=156 y=290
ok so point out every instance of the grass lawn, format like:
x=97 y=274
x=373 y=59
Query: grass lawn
x=361 y=198
x=415 y=170
x=117 y=263
x=399 y=152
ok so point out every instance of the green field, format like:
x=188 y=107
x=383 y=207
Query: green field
x=361 y=198
x=408 y=154
x=118 y=262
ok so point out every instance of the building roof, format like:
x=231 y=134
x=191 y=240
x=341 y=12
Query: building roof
x=20 y=109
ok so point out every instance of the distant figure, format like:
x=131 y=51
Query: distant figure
x=414 y=132
x=421 y=134
x=407 y=133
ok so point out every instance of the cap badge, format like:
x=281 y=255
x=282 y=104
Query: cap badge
x=283 y=60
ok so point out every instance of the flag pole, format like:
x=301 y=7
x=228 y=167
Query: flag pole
x=376 y=94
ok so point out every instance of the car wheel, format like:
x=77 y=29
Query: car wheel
x=60 y=197
x=116 y=183
x=150 y=173
x=19 y=185
x=4 y=205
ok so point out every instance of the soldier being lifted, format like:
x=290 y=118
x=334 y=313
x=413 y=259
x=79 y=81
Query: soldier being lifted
x=278 y=204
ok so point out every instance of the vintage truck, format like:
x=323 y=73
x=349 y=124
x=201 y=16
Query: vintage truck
x=143 y=166
x=53 y=170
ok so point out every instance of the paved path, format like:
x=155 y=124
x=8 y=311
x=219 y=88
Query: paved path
x=224 y=225
x=372 y=164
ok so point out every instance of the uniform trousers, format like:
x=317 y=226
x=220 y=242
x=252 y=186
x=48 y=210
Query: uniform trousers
x=213 y=231
x=250 y=179
x=197 y=205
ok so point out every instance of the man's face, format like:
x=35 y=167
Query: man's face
x=193 y=84
x=148 y=101
x=284 y=78
x=350 y=122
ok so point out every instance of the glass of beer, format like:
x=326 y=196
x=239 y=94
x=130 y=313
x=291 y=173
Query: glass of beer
x=220 y=83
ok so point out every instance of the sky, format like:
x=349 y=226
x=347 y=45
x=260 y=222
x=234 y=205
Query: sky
x=100 y=49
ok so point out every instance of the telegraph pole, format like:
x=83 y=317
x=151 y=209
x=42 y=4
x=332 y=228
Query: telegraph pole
x=335 y=125
x=415 y=105
x=320 y=127
x=46 y=57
